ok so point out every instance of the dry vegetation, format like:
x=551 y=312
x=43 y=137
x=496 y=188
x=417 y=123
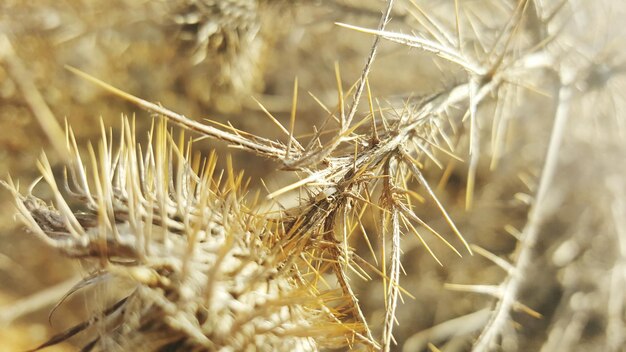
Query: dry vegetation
x=405 y=175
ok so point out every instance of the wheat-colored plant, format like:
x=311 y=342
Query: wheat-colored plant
x=205 y=268
x=191 y=265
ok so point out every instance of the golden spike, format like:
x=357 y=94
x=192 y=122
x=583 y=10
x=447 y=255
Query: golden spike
x=292 y=120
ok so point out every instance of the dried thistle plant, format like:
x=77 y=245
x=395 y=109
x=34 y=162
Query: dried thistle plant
x=343 y=175
x=201 y=269
x=358 y=161
x=229 y=42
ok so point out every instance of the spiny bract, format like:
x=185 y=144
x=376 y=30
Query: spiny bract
x=200 y=270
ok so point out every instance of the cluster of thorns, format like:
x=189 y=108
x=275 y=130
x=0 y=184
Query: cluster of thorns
x=370 y=163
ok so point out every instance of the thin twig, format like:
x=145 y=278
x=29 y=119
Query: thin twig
x=394 y=278
x=368 y=64
x=266 y=148
x=442 y=51
x=530 y=233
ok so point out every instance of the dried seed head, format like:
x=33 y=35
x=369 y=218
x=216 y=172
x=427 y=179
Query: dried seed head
x=204 y=272
x=228 y=45
x=221 y=27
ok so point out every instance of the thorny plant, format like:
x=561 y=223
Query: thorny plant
x=161 y=220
